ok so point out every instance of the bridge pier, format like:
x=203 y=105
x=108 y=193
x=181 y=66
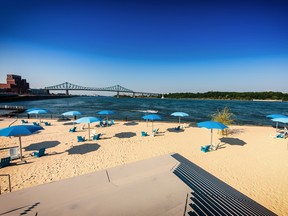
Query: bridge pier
x=133 y=94
x=117 y=94
x=67 y=92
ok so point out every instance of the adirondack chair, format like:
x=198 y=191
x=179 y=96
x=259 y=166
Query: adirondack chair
x=39 y=153
x=24 y=122
x=143 y=133
x=81 y=139
x=177 y=128
x=14 y=153
x=72 y=129
x=96 y=136
x=205 y=148
x=5 y=162
x=47 y=123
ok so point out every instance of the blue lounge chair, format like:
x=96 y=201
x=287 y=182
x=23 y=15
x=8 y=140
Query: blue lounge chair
x=24 y=122
x=96 y=136
x=205 y=148
x=111 y=122
x=72 y=129
x=5 y=162
x=143 y=133
x=47 y=123
x=39 y=153
x=36 y=124
x=81 y=139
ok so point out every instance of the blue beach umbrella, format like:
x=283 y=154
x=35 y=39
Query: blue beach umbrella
x=18 y=131
x=35 y=108
x=72 y=113
x=88 y=120
x=212 y=125
x=273 y=116
x=152 y=117
x=180 y=114
x=282 y=120
x=37 y=111
x=107 y=113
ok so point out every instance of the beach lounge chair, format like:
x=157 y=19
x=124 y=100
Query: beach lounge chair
x=81 y=139
x=280 y=135
x=101 y=124
x=214 y=147
x=155 y=131
x=24 y=122
x=72 y=129
x=143 y=133
x=39 y=153
x=47 y=123
x=96 y=136
x=5 y=162
x=111 y=122
x=14 y=153
x=93 y=133
x=177 y=128
x=205 y=148
x=36 y=124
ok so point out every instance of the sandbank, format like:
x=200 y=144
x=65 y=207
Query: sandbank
x=249 y=159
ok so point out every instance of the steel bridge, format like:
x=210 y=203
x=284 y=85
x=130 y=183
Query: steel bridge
x=66 y=86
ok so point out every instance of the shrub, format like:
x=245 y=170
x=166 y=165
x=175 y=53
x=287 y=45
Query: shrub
x=224 y=116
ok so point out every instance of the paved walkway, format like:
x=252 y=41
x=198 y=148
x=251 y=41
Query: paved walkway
x=143 y=188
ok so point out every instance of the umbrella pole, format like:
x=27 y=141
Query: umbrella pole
x=107 y=121
x=20 y=148
x=152 y=126
x=211 y=135
x=179 y=120
x=89 y=131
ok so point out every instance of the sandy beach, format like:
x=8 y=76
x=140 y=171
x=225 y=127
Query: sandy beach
x=249 y=159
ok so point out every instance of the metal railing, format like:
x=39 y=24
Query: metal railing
x=9 y=181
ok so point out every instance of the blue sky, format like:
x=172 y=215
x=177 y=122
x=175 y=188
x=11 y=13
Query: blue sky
x=152 y=46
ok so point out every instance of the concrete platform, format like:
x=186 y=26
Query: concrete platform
x=143 y=188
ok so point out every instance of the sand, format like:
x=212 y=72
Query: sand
x=249 y=159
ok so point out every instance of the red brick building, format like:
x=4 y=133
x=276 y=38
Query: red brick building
x=15 y=84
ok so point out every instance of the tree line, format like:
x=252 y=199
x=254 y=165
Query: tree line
x=269 y=95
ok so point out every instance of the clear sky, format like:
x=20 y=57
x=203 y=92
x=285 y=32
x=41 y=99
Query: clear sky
x=151 y=46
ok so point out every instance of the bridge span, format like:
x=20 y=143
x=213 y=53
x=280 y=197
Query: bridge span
x=66 y=86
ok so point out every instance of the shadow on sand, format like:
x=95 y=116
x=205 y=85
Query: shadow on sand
x=83 y=149
x=45 y=144
x=175 y=131
x=125 y=135
x=232 y=141
x=131 y=123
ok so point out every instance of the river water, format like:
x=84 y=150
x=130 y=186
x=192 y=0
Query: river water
x=245 y=112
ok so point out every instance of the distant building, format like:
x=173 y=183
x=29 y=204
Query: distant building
x=15 y=84
x=39 y=92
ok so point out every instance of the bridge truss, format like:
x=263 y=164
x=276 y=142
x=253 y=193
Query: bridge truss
x=66 y=86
